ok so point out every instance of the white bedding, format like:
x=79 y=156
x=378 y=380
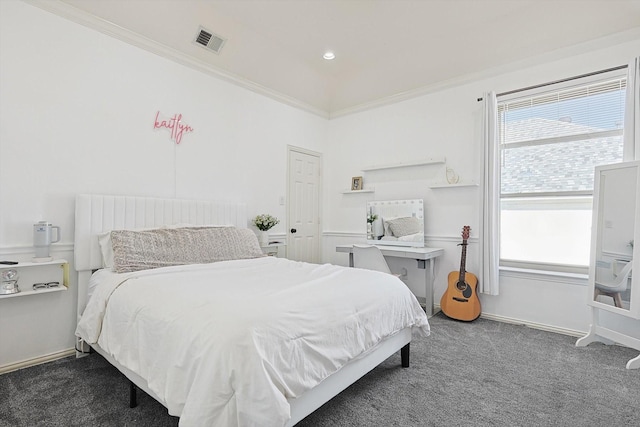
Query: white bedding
x=228 y=343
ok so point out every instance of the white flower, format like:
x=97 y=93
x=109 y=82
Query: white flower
x=265 y=222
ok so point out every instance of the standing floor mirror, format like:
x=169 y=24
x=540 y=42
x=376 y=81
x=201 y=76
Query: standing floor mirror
x=614 y=268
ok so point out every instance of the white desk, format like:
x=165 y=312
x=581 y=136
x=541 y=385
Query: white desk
x=424 y=256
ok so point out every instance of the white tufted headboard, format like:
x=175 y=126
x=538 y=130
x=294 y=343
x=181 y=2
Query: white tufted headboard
x=97 y=214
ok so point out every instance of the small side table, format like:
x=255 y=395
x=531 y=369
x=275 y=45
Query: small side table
x=273 y=248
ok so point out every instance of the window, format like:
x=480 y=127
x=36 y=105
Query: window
x=550 y=141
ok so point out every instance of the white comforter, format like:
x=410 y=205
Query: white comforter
x=226 y=344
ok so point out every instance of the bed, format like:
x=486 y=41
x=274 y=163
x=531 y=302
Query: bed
x=246 y=340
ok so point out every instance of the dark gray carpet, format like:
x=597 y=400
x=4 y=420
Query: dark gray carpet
x=482 y=373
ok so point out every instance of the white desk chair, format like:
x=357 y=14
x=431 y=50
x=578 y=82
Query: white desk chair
x=369 y=257
x=613 y=288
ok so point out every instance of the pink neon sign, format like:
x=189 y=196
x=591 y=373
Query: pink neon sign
x=175 y=126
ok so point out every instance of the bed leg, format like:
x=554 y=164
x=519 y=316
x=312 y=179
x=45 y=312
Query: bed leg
x=404 y=356
x=133 y=397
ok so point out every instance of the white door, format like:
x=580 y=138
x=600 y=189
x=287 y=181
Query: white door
x=303 y=241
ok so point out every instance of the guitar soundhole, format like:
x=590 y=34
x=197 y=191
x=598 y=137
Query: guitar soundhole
x=465 y=289
x=467 y=292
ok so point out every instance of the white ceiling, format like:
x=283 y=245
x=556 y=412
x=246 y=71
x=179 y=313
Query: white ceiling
x=384 y=48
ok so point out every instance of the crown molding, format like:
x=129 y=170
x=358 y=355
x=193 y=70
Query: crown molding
x=88 y=20
x=78 y=16
x=558 y=54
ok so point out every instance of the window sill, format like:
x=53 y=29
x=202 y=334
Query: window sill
x=545 y=275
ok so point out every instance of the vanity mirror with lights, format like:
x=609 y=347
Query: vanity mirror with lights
x=614 y=270
x=396 y=222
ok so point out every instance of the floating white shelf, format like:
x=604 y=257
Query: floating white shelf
x=32 y=292
x=458 y=185
x=62 y=277
x=22 y=264
x=366 y=190
x=404 y=165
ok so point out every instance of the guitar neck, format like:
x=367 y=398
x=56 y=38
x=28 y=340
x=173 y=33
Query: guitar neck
x=463 y=261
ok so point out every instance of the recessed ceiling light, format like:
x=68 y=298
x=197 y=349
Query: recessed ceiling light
x=329 y=55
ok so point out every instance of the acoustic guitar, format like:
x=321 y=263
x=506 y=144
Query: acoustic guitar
x=460 y=301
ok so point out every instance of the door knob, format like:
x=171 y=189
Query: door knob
x=293 y=230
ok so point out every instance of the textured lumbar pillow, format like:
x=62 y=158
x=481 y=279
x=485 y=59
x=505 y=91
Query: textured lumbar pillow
x=146 y=249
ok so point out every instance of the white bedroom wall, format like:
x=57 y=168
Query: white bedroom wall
x=76 y=115
x=77 y=109
x=447 y=123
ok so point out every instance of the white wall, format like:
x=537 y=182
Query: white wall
x=76 y=115
x=447 y=123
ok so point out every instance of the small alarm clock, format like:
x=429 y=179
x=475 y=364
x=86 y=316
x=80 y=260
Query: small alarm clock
x=9 y=283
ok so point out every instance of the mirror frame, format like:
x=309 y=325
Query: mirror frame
x=596 y=230
x=418 y=209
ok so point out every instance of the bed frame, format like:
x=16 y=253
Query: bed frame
x=96 y=214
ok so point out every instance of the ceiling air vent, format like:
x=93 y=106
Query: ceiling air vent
x=209 y=40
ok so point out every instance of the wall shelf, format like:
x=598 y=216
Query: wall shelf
x=404 y=165
x=34 y=292
x=366 y=190
x=458 y=185
x=26 y=275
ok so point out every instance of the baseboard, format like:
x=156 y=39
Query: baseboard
x=37 y=361
x=534 y=325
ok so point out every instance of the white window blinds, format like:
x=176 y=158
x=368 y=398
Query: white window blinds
x=550 y=141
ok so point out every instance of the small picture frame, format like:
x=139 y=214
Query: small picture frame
x=356 y=183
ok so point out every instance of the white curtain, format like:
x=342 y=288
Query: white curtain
x=489 y=234
x=632 y=112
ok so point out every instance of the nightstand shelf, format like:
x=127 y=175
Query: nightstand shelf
x=29 y=273
x=273 y=248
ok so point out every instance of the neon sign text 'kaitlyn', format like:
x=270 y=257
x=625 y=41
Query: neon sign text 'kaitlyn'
x=175 y=126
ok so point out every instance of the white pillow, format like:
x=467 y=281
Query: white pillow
x=405 y=226
x=104 y=239
x=385 y=223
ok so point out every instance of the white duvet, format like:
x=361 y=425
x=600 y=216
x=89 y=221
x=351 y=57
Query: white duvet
x=226 y=344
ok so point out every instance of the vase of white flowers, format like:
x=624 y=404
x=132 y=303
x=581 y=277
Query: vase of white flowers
x=264 y=223
x=370 y=220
